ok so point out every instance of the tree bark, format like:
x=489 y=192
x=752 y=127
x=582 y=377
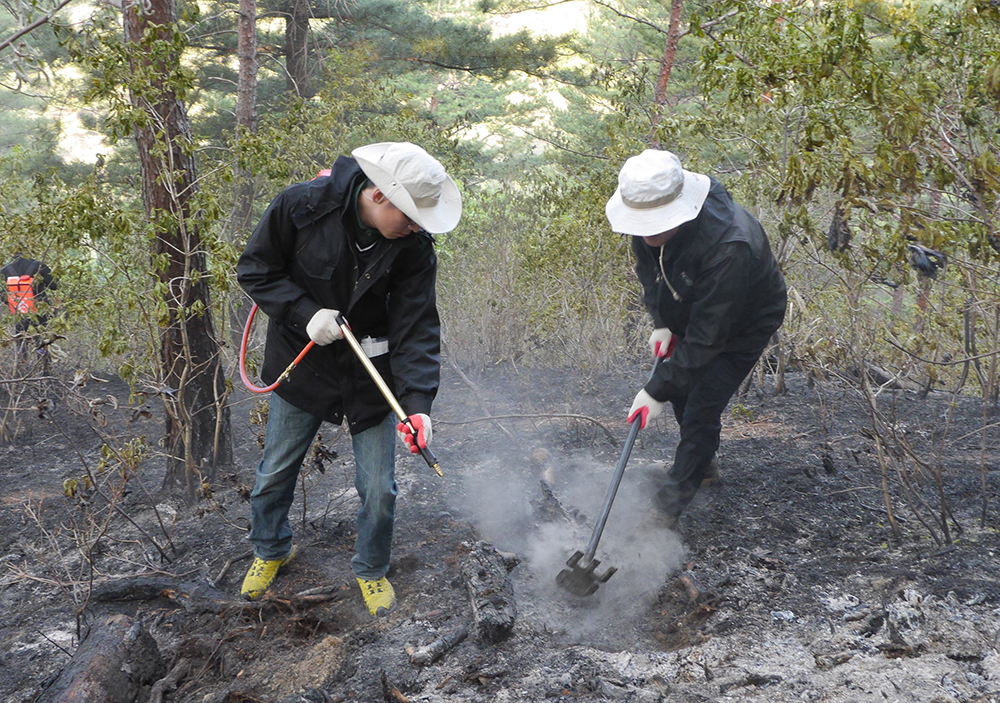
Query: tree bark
x=112 y=665
x=246 y=111
x=197 y=428
x=666 y=66
x=297 y=48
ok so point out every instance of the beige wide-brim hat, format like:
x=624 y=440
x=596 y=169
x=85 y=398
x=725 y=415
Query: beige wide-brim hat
x=414 y=181
x=655 y=195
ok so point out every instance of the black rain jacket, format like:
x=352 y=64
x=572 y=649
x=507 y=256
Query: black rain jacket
x=301 y=258
x=730 y=294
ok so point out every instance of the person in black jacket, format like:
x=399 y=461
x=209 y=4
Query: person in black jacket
x=716 y=295
x=29 y=282
x=358 y=242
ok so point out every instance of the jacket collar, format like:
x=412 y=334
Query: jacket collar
x=714 y=220
x=328 y=193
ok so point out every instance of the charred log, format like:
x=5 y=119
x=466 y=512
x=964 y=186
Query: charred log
x=114 y=664
x=487 y=579
x=193 y=597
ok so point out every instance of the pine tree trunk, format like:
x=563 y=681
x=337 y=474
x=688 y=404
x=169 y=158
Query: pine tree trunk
x=666 y=64
x=297 y=49
x=246 y=110
x=197 y=429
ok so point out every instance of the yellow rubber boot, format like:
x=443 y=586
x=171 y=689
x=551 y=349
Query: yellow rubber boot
x=379 y=596
x=261 y=575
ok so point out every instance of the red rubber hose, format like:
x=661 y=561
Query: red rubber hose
x=243 y=359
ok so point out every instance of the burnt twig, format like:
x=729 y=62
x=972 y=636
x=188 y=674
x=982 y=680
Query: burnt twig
x=225 y=568
x=431 y=652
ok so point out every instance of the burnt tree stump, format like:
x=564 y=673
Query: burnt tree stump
x=486 y=574
x=113 y=664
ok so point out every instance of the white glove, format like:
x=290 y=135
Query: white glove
x=645 y=407
x=659 y=342
x=422 y=424
x=323 y=327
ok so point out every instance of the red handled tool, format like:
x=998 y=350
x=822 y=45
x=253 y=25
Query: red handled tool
x=365 y=361
x=243 y=359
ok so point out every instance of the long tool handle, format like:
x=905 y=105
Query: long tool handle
x=615 y=481
x=612 y=491
x=393 y=403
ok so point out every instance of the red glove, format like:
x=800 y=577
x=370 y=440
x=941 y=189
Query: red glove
x=422 y=424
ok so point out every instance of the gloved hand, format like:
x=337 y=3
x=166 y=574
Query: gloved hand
x=662 y=342
x=422 y=424
x=323 y=327
x=645 y=407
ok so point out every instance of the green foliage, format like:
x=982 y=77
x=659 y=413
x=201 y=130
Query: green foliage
x=742 y=412
x=88 y=241
x=883 y=113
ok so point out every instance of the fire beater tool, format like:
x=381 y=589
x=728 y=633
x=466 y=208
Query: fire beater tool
x=580 y=577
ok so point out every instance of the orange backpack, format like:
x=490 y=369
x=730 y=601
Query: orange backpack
x=21 y=294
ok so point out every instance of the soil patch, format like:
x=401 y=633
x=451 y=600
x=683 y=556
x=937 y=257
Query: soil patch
x=784 y=583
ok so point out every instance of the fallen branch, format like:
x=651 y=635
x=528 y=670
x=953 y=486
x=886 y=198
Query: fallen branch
x=390 y=692
x=691 y=585
x=227 y=565
x=169 y=682
x=431 y=652
x=319 y=590
x=193 y=597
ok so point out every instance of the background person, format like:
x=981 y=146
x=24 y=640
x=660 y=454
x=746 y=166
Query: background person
x=358 y=242
x=708 y=276
x=28 y=284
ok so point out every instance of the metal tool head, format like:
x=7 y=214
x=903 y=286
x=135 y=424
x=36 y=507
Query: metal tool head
x=581 y=580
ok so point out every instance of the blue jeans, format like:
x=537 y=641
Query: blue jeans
x=290 y=434
x=699 y=415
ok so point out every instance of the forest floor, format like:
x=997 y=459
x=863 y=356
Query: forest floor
x=784 y=583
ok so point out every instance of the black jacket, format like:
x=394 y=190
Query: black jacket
x=301 y=258
x=731 y=292
x=43 y=281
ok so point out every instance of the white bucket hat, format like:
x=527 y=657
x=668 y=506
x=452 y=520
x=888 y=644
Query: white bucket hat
x=415 y=182
x=655 y=195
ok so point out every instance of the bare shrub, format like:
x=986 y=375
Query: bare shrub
x=524 y=286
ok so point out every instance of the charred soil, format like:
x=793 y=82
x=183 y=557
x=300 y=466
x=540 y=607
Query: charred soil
x=784 y=582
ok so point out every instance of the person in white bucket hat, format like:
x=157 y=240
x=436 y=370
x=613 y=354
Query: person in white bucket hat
x=355 y=240
x=716 y=295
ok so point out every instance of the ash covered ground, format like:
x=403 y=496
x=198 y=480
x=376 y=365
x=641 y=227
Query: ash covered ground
x=785 y=582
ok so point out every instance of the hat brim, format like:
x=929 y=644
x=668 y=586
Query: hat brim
x=437 y=219
x=652 y=221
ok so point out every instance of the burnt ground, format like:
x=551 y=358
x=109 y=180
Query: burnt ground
x=785 y=582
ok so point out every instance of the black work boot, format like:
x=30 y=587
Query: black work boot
x=712 y=472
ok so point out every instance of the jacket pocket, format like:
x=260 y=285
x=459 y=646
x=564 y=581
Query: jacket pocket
x=314 y=267
x=316 y=252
